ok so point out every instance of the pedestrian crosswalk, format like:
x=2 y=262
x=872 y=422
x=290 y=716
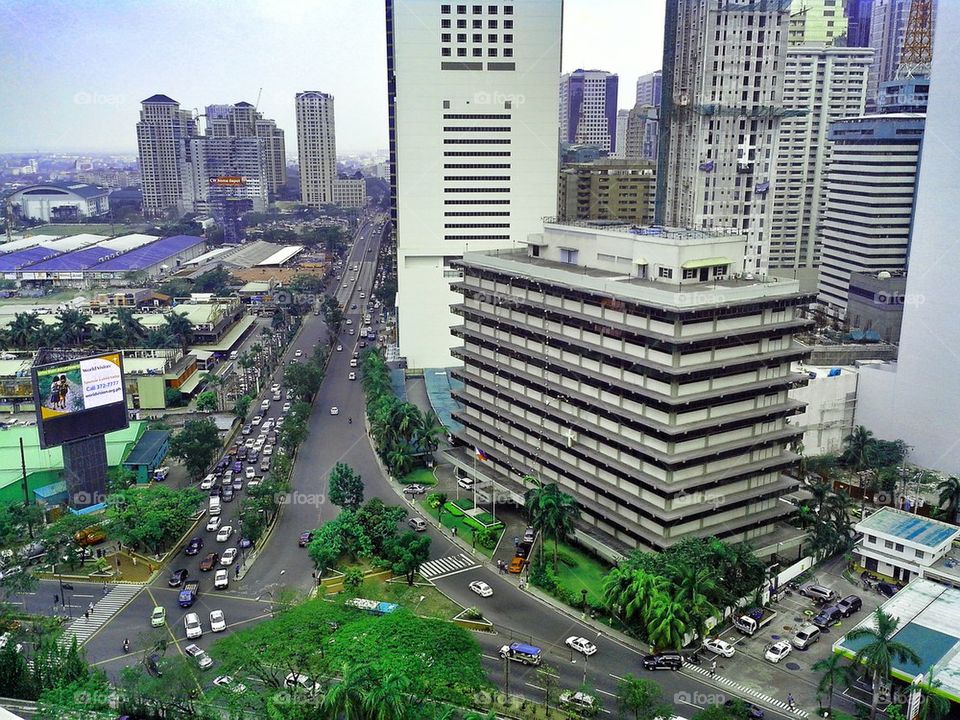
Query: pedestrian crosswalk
x=450 y=565
x=104 y=609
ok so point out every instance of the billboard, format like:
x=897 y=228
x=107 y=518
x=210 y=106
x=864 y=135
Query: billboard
x=228 y=181
x=79 y=398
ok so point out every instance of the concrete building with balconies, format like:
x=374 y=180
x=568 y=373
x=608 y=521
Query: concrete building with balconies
x=638 y=370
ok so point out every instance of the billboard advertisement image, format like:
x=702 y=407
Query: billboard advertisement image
x=79 y=398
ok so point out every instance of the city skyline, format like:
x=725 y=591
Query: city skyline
x=78 y=109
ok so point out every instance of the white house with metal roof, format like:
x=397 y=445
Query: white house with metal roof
x=61 y=201
x=902 y=545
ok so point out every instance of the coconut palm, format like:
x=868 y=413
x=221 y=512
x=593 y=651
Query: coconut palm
x=180 y=327
x=693 y=587
x=629 y=592
x=430 y=431
x=108 y=336
x=820 y=491
x=880 y=651
x=949 y=498
x=399 y=459
x=23 y=330
x=346 y=699
x=857 y=447
x=215 y=382
x=133 y=330
x=934 y=706
x=391 y=697
x=835 y=671
x=667 y=622
x=160 y=337
x=73 y=327
x=533 y=501
x=559 y=510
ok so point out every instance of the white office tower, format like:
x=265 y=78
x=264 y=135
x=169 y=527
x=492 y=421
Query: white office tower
x=915 y=398
x=826 y=84
x=621 y=141
x=163 y=143
x=723 y=72
x=472 y=92
x=316 y=147
x=243 y=120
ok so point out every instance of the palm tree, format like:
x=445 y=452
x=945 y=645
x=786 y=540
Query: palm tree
x=180 y=327
x=348 y=698
x=430 y=431
x=693 y=586
x=533 y=503
x=389 y=698
x=133 y=330
x=880 y=651
x=934 y=706
x=399 y=459
x=160 y=337
x=23 y=329
x=629 y=592
x=949 y=498
x=820 y=491
x=216 y=382
x=559 y=511
x=667 y=622
x=74 y=327
x=108 y=336
x=835 y=670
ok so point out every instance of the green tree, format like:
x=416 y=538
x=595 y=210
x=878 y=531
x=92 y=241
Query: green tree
x=668 y=622
x=629 y=592
x=558 y=511
x=933 y=705
x=548 y=679
x=87 y=698
x=303 y=379
x=352 y=579
x=345 y=487
x=23 y=330
x=857 y=448
x=180 y=327
x=196 y=445
x=242 y=406
x=215 y=281
x=73 y=327
x=835 y=671
x=379 y=523
x=692 y=587
x=15 y=676
x=207 y=401
x=880 y=650
x=715 y=712
x=949 y=498
x=149 y=517
x=643 y=699
x=408 y=552
x=108 y=336
x=133 y=330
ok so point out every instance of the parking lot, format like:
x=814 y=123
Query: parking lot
x=793 y=674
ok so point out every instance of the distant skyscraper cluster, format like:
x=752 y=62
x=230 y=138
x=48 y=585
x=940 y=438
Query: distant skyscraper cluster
x=588 y=108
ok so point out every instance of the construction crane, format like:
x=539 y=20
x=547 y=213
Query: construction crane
x=256 y=105
x=917 y=51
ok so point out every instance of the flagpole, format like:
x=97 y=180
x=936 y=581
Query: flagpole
x=476 y=452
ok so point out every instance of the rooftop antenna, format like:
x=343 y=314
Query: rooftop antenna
x=256 y=105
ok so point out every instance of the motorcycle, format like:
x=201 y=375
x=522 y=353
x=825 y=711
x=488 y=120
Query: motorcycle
x=126 y=646
x=349 y=421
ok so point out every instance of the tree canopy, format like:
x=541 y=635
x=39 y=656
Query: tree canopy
x=196 y=445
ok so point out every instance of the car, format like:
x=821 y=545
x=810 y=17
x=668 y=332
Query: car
x=227 y=493
x=229 y=555
x=778 y=651
x=224 y=533
x=529 y=534
x=353 y=306
x=752 y=711
x=466 y=483
x=203 y=660
x=298 y=681
x=237 y=484
x=339 y=348
x=886 y=589
x=227 y=681
x=177 y=577
x=417 y=523
x=265 y=465
x=221 y=579
x=286 y=407
x=208 y=482
x=257 y=419
x=253 y=484
x=353 y=362
x=213 y=524
x=850 y=604
x=253 y=457
x=191 y=623
x=275 y=388
x=363 y=344
x=237 y=466
x=352 y=376
x=718 y=646
x=581 y=701
x=245 y=543
x=158 y=618
x=415 y=489
x=209 y=562
x=250 y=473
x=662 y=661
x=334 y=410
x=351 y=331
x=298 y=353
x=153 y=664
x=267 y=450
x=345 y=284
x=193 y=547
x=250 y=442
x=349 y=321
x=581 y=645
x=481 y=588
x=305 y=538
x=828 y=616
x=818 y=593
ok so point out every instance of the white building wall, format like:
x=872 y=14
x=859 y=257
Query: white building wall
x=828 y=417
x=528 y=94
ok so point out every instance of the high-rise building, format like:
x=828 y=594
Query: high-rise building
x=650 y=88
x=472 y=92
x=223 y=167
x=826 y=84
x=634 y=369
x=914 y=398
x=641 y=138
x=723 y=71
x=817 y=22
x=858 y=14
x=888 y=26
x=242 y=120
x=621 y=142
x=316 y=147
x=163 y=142
x=607 y=189
x=588 y=108
x=869 y=200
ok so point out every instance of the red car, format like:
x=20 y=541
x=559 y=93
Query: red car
x=209 y=562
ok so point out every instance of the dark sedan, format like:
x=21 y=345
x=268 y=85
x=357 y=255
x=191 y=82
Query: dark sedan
x=209 y=562
x=177 y=577
x=193 y=547
x=305 y=538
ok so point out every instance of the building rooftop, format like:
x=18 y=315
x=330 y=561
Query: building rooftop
x=909 y=527
x=284 y=254
x=158 y=98
x=150 y=254
x=84 y=190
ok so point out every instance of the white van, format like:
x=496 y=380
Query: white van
x=805 y=637
x=265 y=405
x=234 y=355
x=214 y=505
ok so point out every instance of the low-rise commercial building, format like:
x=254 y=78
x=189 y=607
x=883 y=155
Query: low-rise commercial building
x=350 y=192
x=60 y=202
x=901 y=545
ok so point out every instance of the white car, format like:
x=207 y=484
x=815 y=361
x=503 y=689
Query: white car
x=481 y=588
x=224 y=533
x=349 y=321
x=221 y=580
x=275 y=388
x=581 y=645
x=339 y=348
x=208 y=482
x=298 y=353
x=465 y=482
x=286 y=407
x=352 y=376
x=268 y=450
x=191 y=623
x=245 y=430
x=296 y=681
x=249 y=443
x=257 y=419
x=334 y=410
x=217 y=622
x=213 y=524
x=253 y=484
x=718 y=646
x=778 y=651
x=227 y=681
x=250 y=473
x=228 y=557
x=582 y=701
x=203 y=660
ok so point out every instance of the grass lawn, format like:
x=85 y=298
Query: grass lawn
x=588 y=573
x=464 y=530
x=434 y=604
x=423 y=476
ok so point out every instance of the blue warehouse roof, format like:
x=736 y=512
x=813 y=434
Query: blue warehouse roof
x=21 y=258
x=151 y=254
x=912 y=528
x=74 y=261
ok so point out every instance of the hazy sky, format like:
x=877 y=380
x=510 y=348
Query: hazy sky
x=74 y=73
